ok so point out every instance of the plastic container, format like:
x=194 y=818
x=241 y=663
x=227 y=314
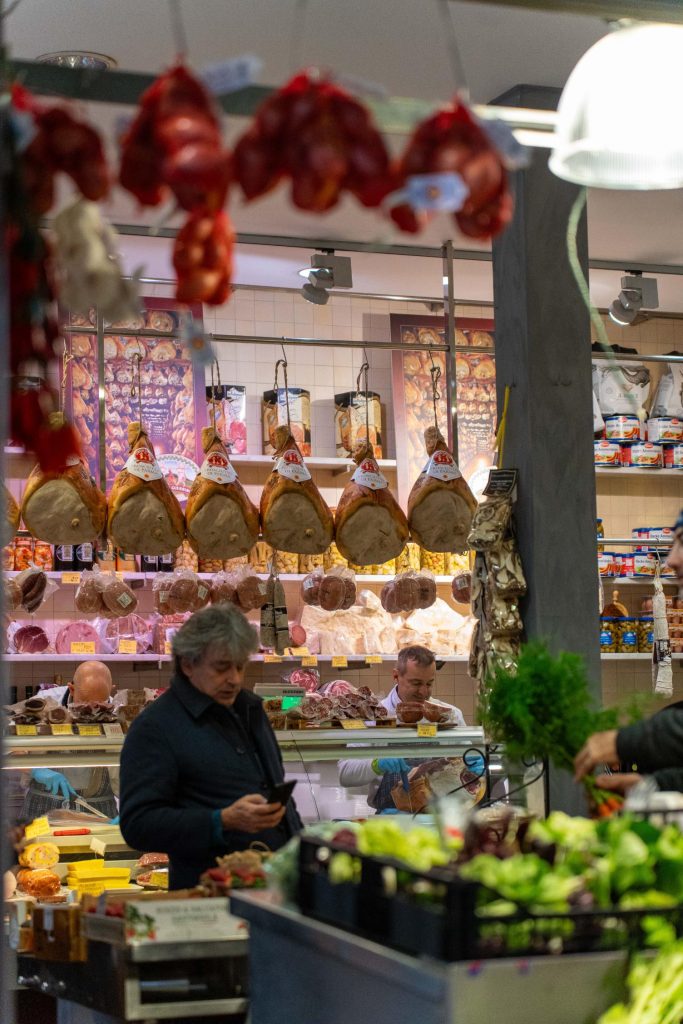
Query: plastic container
x=607 y=454
x=664 y=430
x=647 y=456
x=622 y=428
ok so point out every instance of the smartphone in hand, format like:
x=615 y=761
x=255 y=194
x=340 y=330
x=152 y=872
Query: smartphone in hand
x=280 y=793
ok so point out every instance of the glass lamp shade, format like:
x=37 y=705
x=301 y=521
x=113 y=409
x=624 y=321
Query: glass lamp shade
x=619 y=123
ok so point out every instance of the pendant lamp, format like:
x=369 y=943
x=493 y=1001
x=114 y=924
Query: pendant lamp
x=619 y=122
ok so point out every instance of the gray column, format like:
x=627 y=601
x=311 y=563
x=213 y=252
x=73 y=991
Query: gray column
x=543 y=353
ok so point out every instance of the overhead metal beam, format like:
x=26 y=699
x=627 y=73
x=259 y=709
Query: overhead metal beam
x=611 y=10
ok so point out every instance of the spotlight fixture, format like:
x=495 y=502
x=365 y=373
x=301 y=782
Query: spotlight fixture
x=326 y=271
x=79 y=59
x=637 y=292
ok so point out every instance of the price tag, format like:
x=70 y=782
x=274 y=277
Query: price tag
x=272 y=659
x=64 y=729
x=310 y=661
x=298 y=652
x=112 y=729
x=38 y=827
x=128 y=647
x=352 y=723
x=71 y=577
x=426 y=728
x=167 y=648
x=339 y=661
x=83 y=647
x=89 y=730
x=291 y=702
x=373 y=659
x=27 y=730
x=119 y=575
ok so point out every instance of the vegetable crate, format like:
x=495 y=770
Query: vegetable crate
x=435 y=913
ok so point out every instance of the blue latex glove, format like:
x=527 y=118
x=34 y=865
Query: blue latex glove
x=115 y=821
x=392 y=764
x=390 y=810
x=57 y=783
x=475 y=763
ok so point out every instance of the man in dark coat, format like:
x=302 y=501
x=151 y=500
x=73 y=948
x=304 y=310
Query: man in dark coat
x=197 y=764
x=655 y=745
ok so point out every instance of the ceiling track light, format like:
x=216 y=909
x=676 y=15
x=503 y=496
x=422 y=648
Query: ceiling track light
x=326 y=271
x=637 y=292
x=78 y=59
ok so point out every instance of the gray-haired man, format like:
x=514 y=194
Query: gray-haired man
x=197 y=764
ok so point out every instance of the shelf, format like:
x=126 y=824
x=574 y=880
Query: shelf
x=323 y=659
x=618 y=471
x=638 y=581
x=635 y=657
x=292 y=577
x=46 y=656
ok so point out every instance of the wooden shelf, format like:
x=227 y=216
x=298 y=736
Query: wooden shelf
x=619 y=471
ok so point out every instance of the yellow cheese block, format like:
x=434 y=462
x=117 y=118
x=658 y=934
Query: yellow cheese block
x=105 y=875
x=83 y=868
x=160 y=878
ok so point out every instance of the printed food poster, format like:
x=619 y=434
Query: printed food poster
x=172 y=394
x=475 y=389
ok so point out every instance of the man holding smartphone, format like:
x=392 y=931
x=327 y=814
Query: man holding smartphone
x=201 y=770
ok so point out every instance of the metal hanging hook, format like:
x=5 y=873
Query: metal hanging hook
x=283 y=363
x=136 y=386
x=68 y=357
x=435 y=374
x=365 y=390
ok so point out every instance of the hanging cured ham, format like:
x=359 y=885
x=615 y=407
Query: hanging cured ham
x=221 y=520
x=294 y=516
x=64 y=506
x=440 y=504
x=370 y=525
x=144 y=515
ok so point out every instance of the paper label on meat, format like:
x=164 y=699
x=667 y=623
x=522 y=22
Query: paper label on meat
x=368 y=475
x=141 y=463
x=217 y=468
x=442 y=467
x=72 y=460
x=292 y=466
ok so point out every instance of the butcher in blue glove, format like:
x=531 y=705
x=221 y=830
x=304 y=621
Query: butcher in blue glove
x=414 y=677
x=48 y=789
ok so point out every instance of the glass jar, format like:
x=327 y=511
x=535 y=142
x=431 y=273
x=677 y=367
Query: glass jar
x=645 y=630
x=608 y=640
x=628 y=635
x=600 y=529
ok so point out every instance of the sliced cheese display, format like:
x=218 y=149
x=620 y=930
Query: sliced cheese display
x=39 y=855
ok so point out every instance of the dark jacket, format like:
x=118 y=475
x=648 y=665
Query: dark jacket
x=655 y=746
x=184 y=758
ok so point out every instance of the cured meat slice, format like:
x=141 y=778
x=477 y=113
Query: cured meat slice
x=440 y=505
x=74 y=632
x=294 y=516
x=221 y=520
x=144 y=515
x=64 y=506
x=370 y=525
x=30 y=640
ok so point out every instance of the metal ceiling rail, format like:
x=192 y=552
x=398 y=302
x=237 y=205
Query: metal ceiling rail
x=622 y=357
x=612 y=10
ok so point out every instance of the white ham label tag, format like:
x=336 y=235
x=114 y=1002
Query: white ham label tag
x=292 y=466
x=368 y=475
x=72 y=460
x=217 y=468
x=141 y=463
x=442 y=466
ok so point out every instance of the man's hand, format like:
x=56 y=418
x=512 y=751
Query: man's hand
x=600 y=748
x=55 y=782
x=251 y=814
x=619 y=782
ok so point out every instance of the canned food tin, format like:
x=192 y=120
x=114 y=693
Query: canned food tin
x=626 y=454
x=664 y=429
x=647 y=456
x=606 y=453
x=642 y=534
x=661 y=533
x=622 y=428
x=677 y=456
x=626 y=564
x=607 y=563
x=644 y=563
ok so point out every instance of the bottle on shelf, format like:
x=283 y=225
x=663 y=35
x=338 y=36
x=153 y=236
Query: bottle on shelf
x=84 y=557
x=64 y=558
x=149 y=563
x=23 y=550
x=166 y=562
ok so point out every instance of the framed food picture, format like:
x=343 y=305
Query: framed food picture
x=172 y=393
x=475 y=389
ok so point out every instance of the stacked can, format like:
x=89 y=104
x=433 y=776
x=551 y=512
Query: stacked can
x=666 y=432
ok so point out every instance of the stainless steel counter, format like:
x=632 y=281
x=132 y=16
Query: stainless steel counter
x=313 y=972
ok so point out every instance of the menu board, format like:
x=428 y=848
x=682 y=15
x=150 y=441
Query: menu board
x=172 y=392
x=476 y=395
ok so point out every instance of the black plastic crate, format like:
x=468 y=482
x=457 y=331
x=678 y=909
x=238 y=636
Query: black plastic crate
x=434 y=913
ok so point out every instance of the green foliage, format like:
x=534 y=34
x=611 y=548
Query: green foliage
x=656 y=991
x=544 y=709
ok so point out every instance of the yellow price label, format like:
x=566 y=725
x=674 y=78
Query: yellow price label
x=71 y=577
x=352 y=723
x=119 y=575
x=83 y=647
x=167 y=648
x=339 y=661
x=38 y=827
x=61 y=730
x=298 y=652
x=310 y=661
x=128 y=647
x=373 y=659
x=89 y=730
x=27 y=730
x=426 y=729
x=272 y=659
x=112 y=729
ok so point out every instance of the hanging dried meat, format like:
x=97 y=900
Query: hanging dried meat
x=452 y=142
x=202 y=258
x=294 y=516
x=321 y=138
x=370 y=527
x=64 y=506
x=440 y=505
x=144 y=515
x=221 y=520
